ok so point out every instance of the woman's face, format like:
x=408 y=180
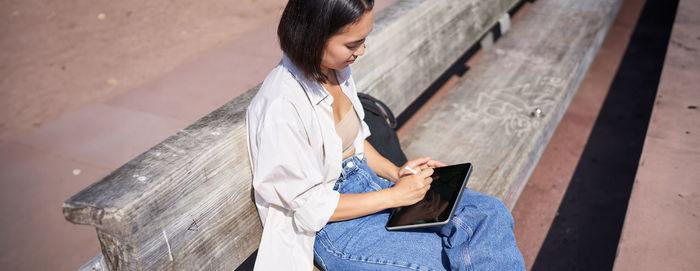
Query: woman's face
x=344 y=47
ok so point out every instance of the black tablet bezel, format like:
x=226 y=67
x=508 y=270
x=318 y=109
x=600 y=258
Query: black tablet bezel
x=456 y=196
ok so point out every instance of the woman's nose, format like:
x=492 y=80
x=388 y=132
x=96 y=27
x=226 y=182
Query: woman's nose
x=361 y=51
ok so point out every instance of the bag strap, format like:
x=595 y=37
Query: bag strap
x=378 y=108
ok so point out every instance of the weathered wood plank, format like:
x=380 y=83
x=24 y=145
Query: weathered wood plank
x=95 y=264
x=185 y=203
x=416 y=41
x=486 y=118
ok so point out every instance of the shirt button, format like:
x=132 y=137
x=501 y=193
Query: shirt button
x=350 y=164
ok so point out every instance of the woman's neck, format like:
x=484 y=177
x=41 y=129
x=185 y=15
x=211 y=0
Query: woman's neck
x=330 y=75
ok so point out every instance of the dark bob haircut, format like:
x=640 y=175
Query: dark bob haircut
x=306 y=26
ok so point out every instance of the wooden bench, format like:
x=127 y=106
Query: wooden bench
x=490 y=116
x=186 y=204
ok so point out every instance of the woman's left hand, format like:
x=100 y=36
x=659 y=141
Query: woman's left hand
x=435 y=163
x=419 y=164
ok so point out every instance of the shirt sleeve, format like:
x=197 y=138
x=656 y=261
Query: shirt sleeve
x=289 y=174
x=365 y=130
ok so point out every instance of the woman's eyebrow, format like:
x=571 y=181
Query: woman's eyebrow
x=363 y=39
x=357 y=41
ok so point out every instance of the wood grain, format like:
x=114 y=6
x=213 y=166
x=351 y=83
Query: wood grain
x=188 y=198
x=95 y=264
x=416 y=41
x=486 y=118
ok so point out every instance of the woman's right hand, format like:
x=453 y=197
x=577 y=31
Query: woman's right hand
x=410 y=189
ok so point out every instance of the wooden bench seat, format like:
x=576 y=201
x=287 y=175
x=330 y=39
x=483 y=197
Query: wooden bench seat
x=186 y=203
x=489 y=117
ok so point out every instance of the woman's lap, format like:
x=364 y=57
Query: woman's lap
x=480 y=235
x=365 y=244
x=373 y=248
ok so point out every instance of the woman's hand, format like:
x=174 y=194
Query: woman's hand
x=419 y=164
x=411 y=188
x=435 y=163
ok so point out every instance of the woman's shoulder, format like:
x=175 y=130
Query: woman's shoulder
x=280 y=82
x=278 y=95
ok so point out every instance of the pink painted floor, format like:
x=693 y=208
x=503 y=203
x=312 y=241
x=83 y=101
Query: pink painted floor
x=59 y=57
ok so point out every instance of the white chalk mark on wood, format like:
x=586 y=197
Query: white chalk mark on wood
x=504 y=23
x=170 y=252
x=140 y=178
x=511 y=107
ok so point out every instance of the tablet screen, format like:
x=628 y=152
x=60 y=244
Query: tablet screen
x=439 y=202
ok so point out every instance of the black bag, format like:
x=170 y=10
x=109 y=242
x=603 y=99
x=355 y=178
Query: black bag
x=382 y=125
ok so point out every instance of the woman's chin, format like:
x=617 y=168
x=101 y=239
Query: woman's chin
x=343 y=66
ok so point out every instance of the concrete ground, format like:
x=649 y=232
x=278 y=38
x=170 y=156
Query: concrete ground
x=97 y=50
x=83 y=93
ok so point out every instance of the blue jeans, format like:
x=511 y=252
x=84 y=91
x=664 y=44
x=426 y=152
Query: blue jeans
x=479 y=236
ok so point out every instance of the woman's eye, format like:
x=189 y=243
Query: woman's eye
x=352 y=47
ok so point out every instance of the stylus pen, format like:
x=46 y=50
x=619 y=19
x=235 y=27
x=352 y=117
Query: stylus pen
x=413 y=171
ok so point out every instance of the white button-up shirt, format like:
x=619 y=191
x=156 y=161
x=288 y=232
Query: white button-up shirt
x=295 y=156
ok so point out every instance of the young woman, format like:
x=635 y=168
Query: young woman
x=317 y=180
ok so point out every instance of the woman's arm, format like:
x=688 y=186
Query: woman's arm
x=380 y=165
x=356 y=205
x=408 y=190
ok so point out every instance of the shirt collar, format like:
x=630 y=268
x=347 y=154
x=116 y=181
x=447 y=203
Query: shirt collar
x=316 y=92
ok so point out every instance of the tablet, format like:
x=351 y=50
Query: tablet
x=438 y=205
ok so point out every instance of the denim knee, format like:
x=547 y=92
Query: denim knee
x=500 y=211
x=492 y=207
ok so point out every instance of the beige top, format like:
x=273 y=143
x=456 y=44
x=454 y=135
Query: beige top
x=347 y=128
